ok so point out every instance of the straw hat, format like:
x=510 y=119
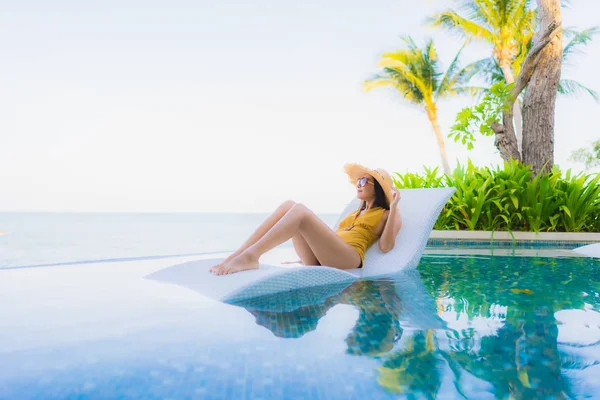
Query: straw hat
x=355 y=171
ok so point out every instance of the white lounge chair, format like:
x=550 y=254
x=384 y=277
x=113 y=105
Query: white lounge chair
x=590 y=250
x=411 y=302
x=420 y=209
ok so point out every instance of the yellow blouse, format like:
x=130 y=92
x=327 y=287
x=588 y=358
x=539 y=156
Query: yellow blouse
x=359 y=230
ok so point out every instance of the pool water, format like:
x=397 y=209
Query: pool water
x=476 y=327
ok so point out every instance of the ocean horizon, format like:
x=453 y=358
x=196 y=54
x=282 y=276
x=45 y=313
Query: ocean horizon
x=52 y=238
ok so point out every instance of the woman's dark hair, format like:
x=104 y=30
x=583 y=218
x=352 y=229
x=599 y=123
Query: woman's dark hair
x=380 y=200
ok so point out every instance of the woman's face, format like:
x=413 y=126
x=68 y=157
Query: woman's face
x=365 y=187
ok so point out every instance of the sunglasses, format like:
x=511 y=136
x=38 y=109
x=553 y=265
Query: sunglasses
x=360 y=182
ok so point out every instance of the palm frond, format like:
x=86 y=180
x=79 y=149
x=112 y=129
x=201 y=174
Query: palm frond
x=455 y=77
x=379 y=81
x=456 y=23
x=405 y=88
x=488 y=69
x=571 y=87
x=525 y=25
x=410 y=90
x=504 y=11
x=402 y=57
x=577 y=39
x=430 y=51
x=525 y=44
x=515 y=10
x=401 y=67
x=430 y=66
x=483 y=11
x=415 y=72
x=468 y=90
x=505 y=24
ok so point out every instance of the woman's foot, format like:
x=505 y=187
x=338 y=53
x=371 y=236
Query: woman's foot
x=217 y=266
x=225 y=261
x=243 y=262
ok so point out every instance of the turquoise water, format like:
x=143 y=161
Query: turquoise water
x=484 y=327
x=526 y=327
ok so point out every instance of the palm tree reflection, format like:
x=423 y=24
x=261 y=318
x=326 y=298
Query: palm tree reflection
x=501 y=334
x=521 y=358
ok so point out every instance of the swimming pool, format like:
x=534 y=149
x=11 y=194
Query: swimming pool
x=462 y=326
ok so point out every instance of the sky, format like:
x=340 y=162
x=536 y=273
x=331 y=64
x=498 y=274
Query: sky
x=227 y=106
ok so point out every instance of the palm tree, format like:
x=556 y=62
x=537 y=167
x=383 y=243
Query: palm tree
x=508 y=25
x=490 y=70
x=416 y=369
x=416 y=74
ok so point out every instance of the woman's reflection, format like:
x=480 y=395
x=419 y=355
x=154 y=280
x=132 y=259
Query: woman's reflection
x=386 y=309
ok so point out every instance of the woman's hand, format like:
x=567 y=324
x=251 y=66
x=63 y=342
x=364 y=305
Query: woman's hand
x=395 y=197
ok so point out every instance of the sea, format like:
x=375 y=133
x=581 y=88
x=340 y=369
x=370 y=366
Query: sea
x=45 y=239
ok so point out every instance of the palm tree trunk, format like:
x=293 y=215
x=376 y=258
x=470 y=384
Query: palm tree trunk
x=429 y=343
x=518 y=118
x=506 y=140
x=432 y=115
x=540 y=98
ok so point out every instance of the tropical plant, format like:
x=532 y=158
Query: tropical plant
x=512 y=198
x=580 y=198
x=416 y=73
x=429 y=179
x=542 y=203
x=479 y=119
x=590 y=158
x=473 y=197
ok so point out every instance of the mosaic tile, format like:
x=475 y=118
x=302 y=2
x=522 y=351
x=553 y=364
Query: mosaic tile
x=528 y=244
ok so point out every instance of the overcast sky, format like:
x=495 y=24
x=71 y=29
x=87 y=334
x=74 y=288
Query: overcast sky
x=226 y=105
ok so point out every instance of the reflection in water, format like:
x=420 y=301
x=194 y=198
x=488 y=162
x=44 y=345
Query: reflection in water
x=415 y=368
x=386 y=309
x=488 y=325
x=523 y=358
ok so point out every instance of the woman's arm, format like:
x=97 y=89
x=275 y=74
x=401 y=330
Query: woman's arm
x=392 y=225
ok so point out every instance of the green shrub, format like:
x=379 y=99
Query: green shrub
x=512 y=199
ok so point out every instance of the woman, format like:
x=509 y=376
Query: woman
x=377 y=218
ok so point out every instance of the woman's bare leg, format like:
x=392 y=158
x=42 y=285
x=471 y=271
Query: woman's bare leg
x=325 y=244
x=304 y=251
x=260 y=231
